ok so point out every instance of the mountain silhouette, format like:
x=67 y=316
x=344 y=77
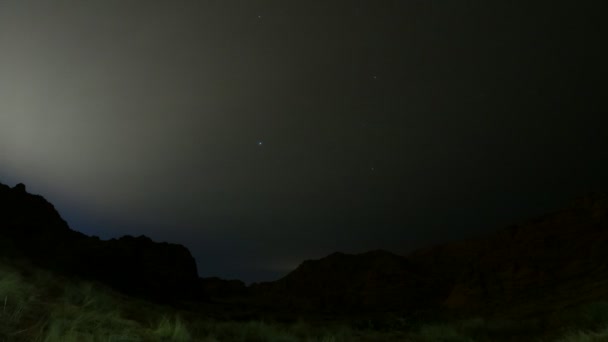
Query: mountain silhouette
x=545 y=264
x=31 y=229
x=376 y=280
x=548 y=263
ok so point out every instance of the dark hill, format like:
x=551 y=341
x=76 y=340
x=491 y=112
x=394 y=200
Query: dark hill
x=372 y=281
x=545 y=264
x=32 y=229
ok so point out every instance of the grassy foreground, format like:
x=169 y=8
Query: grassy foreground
x=39 y=306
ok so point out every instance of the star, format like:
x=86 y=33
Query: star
x=260 y=143
x=259 y=17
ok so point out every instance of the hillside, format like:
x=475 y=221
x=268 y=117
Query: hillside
x=544 y=264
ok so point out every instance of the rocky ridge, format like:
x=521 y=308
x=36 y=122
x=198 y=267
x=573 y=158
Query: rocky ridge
x=544 y=264
x=31 y=228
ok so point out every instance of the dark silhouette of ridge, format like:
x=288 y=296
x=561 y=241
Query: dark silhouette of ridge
x=548 y=263
x=31 y=228
x=372 y=281
x=545 y=264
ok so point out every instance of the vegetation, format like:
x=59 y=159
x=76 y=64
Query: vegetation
x=43 y=307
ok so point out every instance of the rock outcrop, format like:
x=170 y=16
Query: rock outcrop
x=31 y=228
x=140 y=265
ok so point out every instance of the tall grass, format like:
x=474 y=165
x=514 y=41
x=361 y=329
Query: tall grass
x=41 y=307
x=172 y=330
x=585 y=336
x=45 y=308
x=16 y=298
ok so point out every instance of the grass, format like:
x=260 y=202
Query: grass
x=42 y=307
x=582 y=336
x=174 y=330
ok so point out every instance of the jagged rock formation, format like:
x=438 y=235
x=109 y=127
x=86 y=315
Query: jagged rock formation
x=140 y=265
x=31 y=228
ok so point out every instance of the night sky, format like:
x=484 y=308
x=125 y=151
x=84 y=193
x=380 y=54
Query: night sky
x=262 y=133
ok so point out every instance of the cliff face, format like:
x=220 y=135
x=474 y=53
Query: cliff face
x=31 y=228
